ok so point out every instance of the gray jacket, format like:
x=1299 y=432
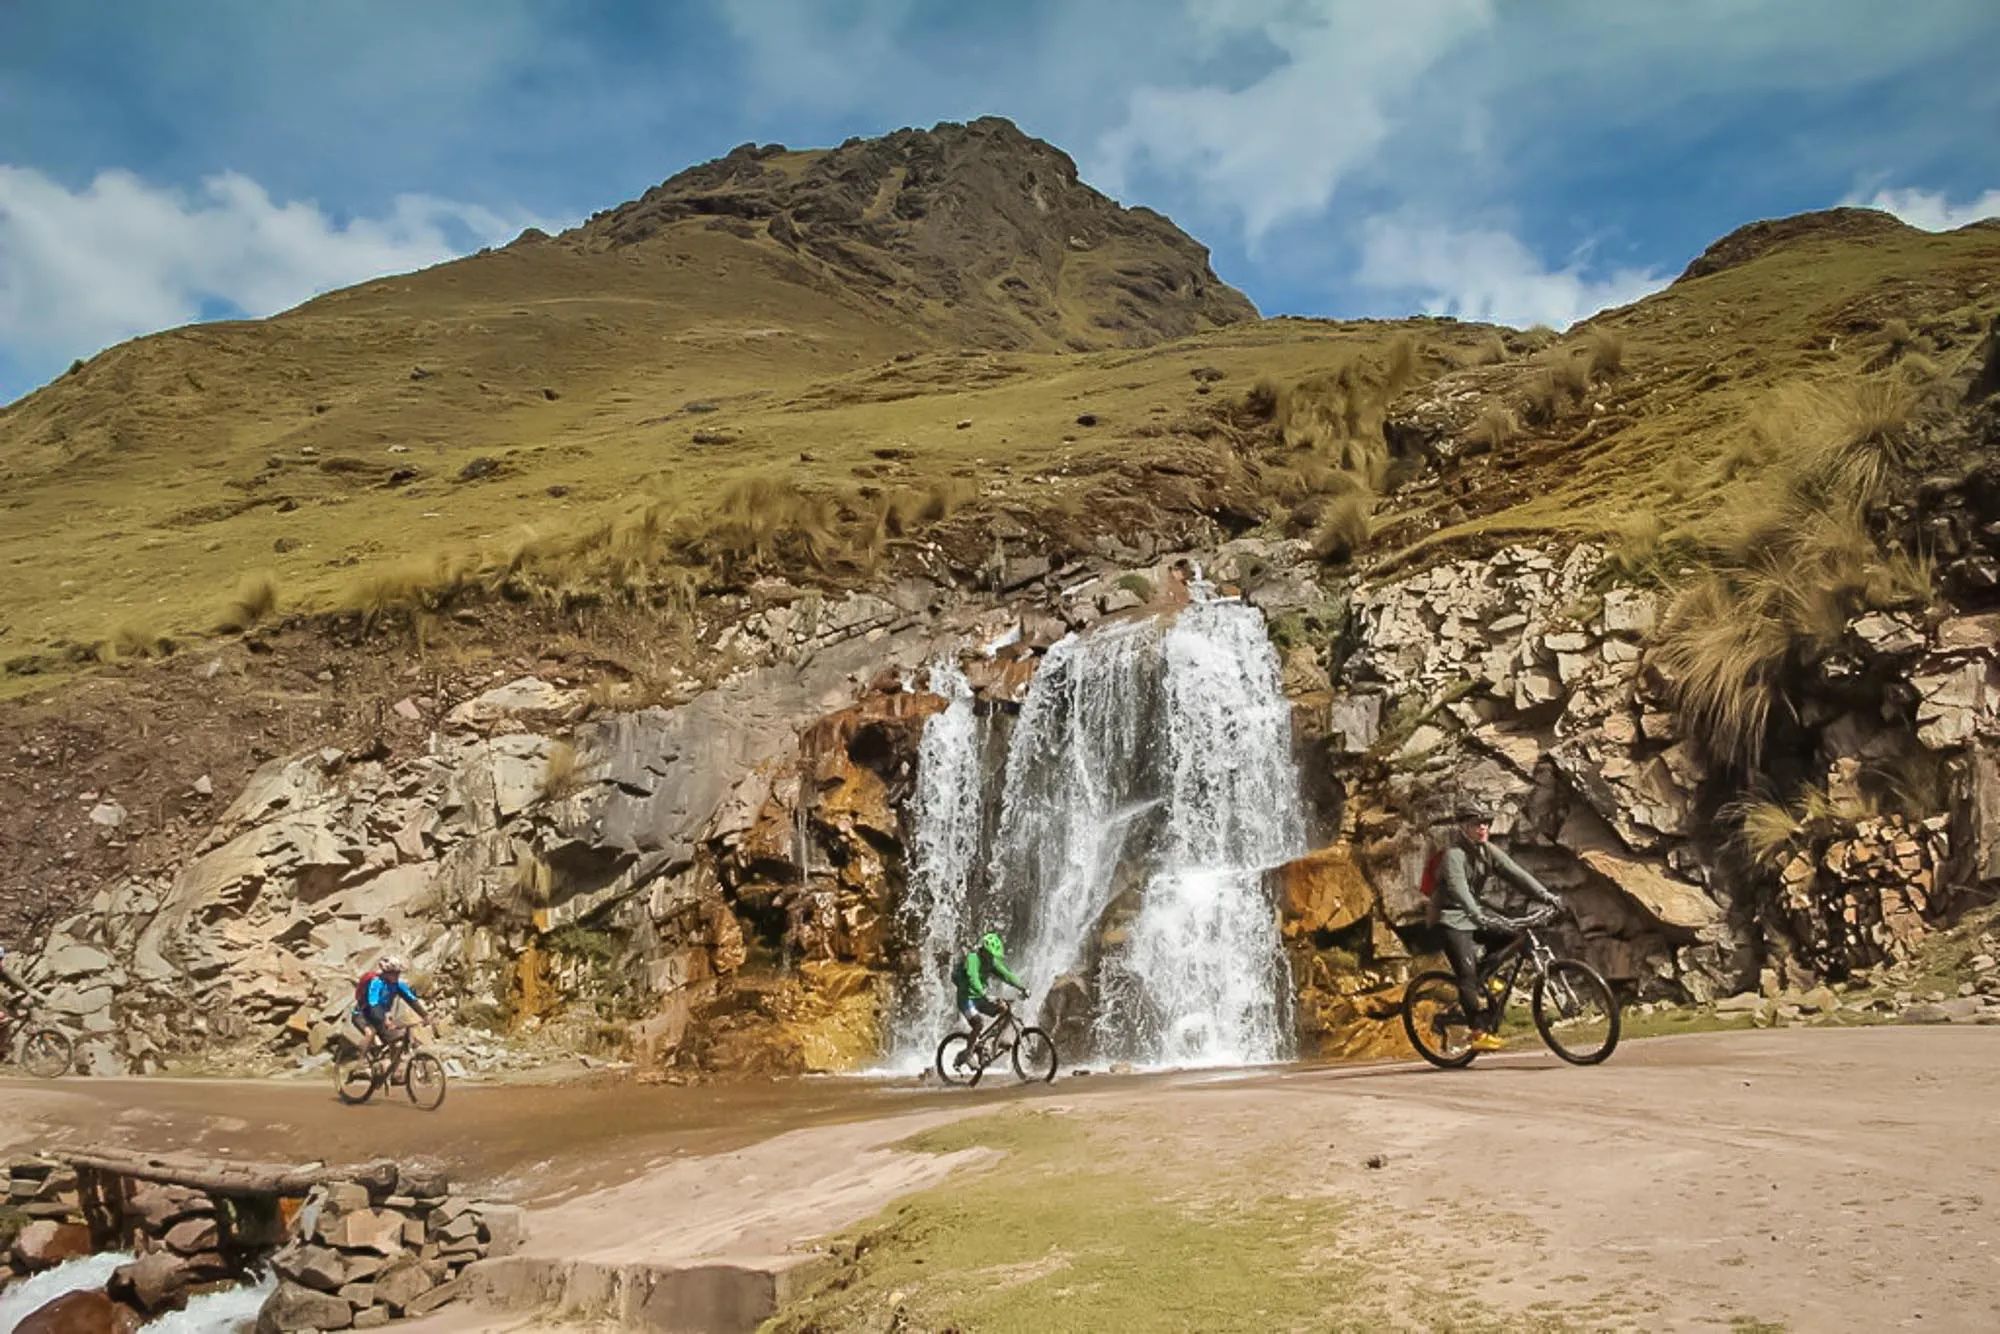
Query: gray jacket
x=1463 y=874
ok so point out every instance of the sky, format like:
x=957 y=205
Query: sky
x=1528 y=161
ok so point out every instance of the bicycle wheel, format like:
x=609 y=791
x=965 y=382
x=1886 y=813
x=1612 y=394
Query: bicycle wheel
x=1576 y=1013
x=47 y=1052
x=1436 y=1023
x=354 y=1079
x=424 y=1081
x=1034 y=1056
x=949 y=1052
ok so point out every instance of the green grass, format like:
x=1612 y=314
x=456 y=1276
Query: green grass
x=1080 y=1229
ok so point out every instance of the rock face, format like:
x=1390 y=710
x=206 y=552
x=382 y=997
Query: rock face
x=717 y=882
x=1521 y=684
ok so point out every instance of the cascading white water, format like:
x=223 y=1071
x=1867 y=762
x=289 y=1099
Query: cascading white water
x=936 y=906
x=1148 y=784
x=1207 y=979
x=230 y=1311
x=227 y=1311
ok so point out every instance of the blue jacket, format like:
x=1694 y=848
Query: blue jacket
x=380 y=997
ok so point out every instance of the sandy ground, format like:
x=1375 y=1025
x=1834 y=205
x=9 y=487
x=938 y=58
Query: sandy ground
x=1825 y=1180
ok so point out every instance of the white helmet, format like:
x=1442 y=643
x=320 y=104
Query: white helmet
x=389 y=963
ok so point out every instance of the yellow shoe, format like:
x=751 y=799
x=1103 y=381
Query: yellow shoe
x=1487 y=1042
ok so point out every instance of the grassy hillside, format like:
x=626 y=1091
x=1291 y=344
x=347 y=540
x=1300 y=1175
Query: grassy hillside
x=804 y=361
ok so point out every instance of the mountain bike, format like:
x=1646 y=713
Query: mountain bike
x=962 y=1061
x=1574 y=1008
x=43 y=1050
x=357 y=1074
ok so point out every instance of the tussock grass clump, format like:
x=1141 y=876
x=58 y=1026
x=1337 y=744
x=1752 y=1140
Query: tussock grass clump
x=256 y=597
x=1572 y=373
x=1490 y=351
x=135 y=638
x=1917 y=370
x=1138 y=585
x=1766 y=829
x=564 y=773
x=1343 y=528
x=1790 y=557
x=1495 y=427
x=1604 y=349
x=1723 y=648
x=1542 y=398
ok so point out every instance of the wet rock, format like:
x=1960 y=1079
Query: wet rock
x=86 y=1312
x=155 y=1282
x=1322 y=891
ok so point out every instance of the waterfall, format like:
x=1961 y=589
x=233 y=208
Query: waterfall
x=1148 y=785
x=936 y=906
x=1207 y=981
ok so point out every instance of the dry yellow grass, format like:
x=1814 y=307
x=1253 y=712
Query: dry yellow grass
x=255 y=599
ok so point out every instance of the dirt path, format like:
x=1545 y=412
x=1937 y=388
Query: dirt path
x=1815 y=1180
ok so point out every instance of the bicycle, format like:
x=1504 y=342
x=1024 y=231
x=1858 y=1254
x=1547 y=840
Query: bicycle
x=1033 y=1051
x=358 y=1074
x=1574 y=1008
x=43 y=1050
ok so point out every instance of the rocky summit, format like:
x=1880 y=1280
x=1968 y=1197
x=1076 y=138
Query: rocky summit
x=669 y=634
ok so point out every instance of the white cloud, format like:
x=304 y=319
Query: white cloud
x=1487 y=274
x=1929 y=209
x=1276 y=149
x=81 y=269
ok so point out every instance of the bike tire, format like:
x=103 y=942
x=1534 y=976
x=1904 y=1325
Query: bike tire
x=47 y=1052
x=424 y=1081
x=354 y=1079
x=1427 y=1002
x=1573 y=985
x=1034 y=1056
x=947 y=1061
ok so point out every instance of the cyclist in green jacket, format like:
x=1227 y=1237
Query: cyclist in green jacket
x=969 y=978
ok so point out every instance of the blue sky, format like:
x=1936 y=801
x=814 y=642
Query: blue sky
x=161 y=163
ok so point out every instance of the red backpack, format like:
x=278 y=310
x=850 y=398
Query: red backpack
x=1428 y=886
x=368 y=980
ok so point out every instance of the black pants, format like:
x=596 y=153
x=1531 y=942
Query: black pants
x=1463 y=949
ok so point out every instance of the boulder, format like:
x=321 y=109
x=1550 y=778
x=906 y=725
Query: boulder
x=1322 y=891
x=528 y=698
x=401 y=1284
x=377 y=1230
x=1674 y=903
x=293 y=1307
x=84 y=1312
x=193 y=1235
x=157 y=1281
x=45 y=1243
x=313 y=1266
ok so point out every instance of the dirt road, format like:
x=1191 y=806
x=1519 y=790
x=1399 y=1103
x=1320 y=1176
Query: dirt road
x=1828 y=1180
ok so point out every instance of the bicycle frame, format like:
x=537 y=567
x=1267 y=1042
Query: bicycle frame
x=1527 y=950
x=989 y=1046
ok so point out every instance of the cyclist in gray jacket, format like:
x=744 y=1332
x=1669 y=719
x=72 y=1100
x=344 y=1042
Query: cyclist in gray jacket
x=1468 y=864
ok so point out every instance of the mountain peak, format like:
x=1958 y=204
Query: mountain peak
x=978 y=228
